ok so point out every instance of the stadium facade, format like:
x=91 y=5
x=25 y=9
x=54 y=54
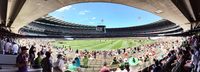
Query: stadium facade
x=50 y=26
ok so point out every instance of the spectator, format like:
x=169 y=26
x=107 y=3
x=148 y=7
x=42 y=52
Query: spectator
x=95 y=54
x=124 y=66
x=127 y=65
x=72 y=67
x=178 y=67
x=114 y=62
x=32 y=55
x=15 y=48
x=42 y=54
x=119 y=51
x=37 y=62
x=77 y=51
x=168 y=65
x=78 y=63
x=22 y=60
x=59 y=65
x=105 y=54
x=46 y=63
x=157 y=67
x=85 y=61
x=104 y=68
x=43 y=51
x=3 y=42
x=8 y=46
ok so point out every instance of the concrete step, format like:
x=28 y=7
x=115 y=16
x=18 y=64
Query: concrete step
x=15 y=70
x=8 y=59
x=7 y=66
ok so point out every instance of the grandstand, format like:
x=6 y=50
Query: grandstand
x=25 y=23
x=51 y=26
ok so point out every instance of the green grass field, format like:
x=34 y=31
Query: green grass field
x=101 y=44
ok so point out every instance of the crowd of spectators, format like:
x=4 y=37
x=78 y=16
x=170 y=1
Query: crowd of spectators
x=180 y=57
x=145 y=54
x=184 y=58
x=8 y=46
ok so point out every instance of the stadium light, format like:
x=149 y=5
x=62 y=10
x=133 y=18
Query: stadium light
x=159 y=11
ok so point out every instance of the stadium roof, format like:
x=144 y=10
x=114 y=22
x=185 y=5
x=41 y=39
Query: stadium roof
x=18 y=13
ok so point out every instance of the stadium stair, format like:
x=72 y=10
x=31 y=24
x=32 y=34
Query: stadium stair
x=8 y=64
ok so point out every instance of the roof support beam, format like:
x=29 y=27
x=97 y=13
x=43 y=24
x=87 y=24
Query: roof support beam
x=3 y=11
x=195 y=4
x=181 y=5
x=15 y=11
x=189 y=7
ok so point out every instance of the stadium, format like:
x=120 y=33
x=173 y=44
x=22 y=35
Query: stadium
x=67 y=36
x=46 y=24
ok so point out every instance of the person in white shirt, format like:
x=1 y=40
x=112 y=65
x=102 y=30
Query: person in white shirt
x=59 y=65
x=15 y=48
x=8 y=46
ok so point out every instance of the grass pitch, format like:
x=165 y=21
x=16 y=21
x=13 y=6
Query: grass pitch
x=101 y=44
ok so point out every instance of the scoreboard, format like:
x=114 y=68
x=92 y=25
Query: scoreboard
x=101 y=28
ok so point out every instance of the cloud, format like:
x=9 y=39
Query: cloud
x=83 y=12
x=64 y=8
x=93 y=18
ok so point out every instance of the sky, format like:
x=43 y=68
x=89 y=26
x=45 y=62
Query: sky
x=109 y=14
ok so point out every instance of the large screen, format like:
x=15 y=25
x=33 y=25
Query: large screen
x=101 y=28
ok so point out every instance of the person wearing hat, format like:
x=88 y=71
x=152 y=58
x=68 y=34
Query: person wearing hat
x=22 y=60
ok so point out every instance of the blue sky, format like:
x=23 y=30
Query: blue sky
x=109 y=14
